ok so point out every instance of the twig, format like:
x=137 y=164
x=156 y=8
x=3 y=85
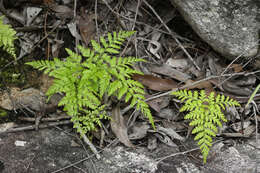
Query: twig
x=136 y=13
x=87 y=141
x=182 y=153
x=32 y=127
x=75 y=9
x=175 y=154
x=97 y=30
x=45 y=119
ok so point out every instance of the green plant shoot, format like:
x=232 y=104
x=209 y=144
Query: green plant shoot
x=85 y=78
x=7 y=37
x=205 y=113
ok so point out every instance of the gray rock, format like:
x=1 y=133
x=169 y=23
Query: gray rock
x=120 y=160
x=235 y=159
x=230 y=26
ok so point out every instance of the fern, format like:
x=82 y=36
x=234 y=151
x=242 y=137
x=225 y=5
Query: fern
x=85 y=79
x=205 y=113
x=7 y=37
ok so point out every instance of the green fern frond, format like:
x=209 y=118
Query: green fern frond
x=7 y=37
x=205 y=113
x=84 y=80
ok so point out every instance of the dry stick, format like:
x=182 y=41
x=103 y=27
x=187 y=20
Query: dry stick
x=182 y=153
x=168 y=29
x=91 y=146
x=97 y=29
x=175 y=154
x=74 y=18
x=136 y=13
x=41 y=126
x=75 y=9
x=33 y=28
x=134 y=42
x=45 y=119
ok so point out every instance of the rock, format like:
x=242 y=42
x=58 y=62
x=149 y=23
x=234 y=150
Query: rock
x=239 y=158
x=29 y=98
x=15 y=99
x=230 y=27
x=120 y=160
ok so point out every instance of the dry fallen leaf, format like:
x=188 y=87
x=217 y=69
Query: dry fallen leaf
x=170 y=132
x=139 y=131
x=119 y=128
x=169 y=71
x=61 y=11
x=155 y=83
x=158 y=103
x=87 y=27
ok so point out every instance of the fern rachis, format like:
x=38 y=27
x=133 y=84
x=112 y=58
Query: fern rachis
x=205 y=113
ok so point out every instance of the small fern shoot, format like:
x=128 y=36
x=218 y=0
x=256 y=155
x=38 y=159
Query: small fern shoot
x=205 y=113
x=7 y=37
x=85 y=78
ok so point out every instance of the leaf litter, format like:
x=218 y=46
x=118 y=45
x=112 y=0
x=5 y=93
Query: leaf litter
x=168 y=67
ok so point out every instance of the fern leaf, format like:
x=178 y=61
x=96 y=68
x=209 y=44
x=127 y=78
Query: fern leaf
x=103 y=41
x=205 y=113
x=128 y=96
x=96 y=46
x=122 y=91
x=84 y=79
x=7 y=38
x=110 y=38
x=112 y=50
x=114 y=86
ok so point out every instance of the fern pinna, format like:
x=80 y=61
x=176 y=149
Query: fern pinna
x=7 y=37
x=85 y=79
x=205 y=113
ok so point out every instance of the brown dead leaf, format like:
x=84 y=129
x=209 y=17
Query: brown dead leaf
x=61 y=11
x=233 y=88
x=48 y=2
x=158 y=103
x=155 y=83
x=170 y=72
x=206 y=85
x=139 y=130
x=87 y=27
x=237 y=67
x=119 y=128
